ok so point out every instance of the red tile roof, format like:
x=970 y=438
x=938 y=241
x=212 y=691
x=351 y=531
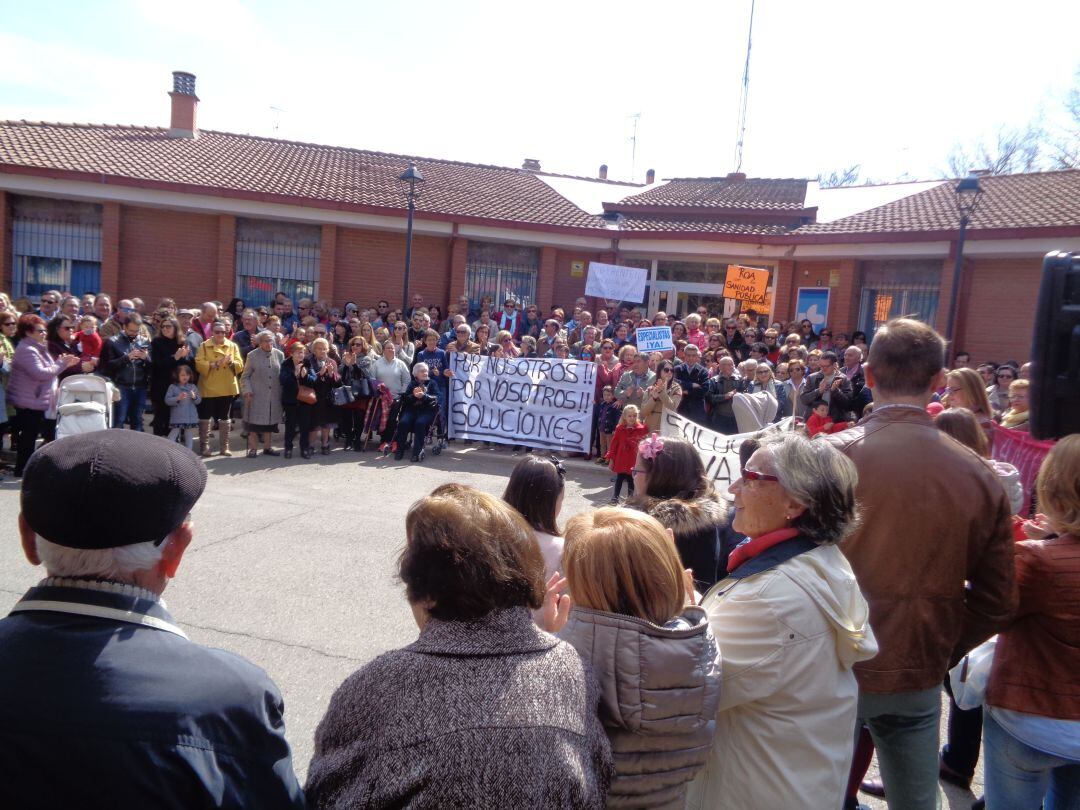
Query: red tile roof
x=254 y=166
x=1036 y=200
x=753 y=194
x=689 y=227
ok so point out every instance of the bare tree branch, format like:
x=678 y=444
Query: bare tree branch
x=840 y=177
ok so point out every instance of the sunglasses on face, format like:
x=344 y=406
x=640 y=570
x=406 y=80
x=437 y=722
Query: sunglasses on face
x=751 y=475
x=1006 y=377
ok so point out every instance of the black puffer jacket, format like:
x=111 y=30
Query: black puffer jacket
x=703 y=533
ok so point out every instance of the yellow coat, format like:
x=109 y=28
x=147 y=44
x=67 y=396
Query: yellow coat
x=218 y=382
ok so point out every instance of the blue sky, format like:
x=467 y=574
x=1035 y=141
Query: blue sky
x=890 y=86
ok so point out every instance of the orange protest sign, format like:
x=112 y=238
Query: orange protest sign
x=746 y=284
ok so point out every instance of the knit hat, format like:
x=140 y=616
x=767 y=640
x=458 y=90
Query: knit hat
x=110 y=488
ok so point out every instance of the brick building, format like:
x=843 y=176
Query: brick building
x=196 y=215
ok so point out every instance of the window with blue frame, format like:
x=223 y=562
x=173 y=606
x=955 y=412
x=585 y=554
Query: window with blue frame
x=55 y=255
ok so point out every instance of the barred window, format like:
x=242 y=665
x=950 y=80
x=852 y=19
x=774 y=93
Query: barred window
x=56 y=244
x=273 y=256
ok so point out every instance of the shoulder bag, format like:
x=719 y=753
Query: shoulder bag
x=306 y=395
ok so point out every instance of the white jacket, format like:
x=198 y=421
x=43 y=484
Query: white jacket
x=785 y=727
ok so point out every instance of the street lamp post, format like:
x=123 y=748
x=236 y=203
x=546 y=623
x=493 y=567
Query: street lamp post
x=411 y=182
x=968 y=193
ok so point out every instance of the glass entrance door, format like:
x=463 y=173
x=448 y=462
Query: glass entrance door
x=681 y=299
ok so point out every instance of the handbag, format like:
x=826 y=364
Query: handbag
x=362 y=388
x=306 y=395
x=969 y=678
x=343 y=395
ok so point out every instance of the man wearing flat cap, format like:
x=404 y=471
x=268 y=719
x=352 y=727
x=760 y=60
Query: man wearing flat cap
x=104 y=702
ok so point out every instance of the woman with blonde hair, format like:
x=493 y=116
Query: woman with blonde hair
x=964 y=388
x=650 y=647
x=367 y=332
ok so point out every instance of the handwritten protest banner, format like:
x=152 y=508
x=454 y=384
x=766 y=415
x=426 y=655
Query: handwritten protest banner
x=537 y=402
x=719 y=453
x=654 y=339
x=617 y=283
x=748 y=284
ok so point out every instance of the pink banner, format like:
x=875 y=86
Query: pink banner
x=1025 y=453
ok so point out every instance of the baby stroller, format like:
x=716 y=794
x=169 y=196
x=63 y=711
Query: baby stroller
x=84 y=404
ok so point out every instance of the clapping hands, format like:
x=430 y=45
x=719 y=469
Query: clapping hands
x=556 y=609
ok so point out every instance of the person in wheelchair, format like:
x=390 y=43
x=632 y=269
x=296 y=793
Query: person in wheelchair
x=418 y=409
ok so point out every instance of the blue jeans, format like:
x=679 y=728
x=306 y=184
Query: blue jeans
x=130 y=408
x=1019 y=776
x=904 y=726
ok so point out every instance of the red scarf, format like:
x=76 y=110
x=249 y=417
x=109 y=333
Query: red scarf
x=756 y=545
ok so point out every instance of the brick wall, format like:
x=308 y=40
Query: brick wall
x=567 y=288
x=110 y=250
x=997 y=309
x=168 y=253
x=5 y=242
x=371 y=265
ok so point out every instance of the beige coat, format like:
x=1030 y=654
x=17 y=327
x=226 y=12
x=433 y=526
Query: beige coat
x=262 y=379
x=789 y=637
x=652 y=409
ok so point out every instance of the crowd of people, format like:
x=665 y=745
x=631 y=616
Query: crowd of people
x=668 y=650
x=380 y=375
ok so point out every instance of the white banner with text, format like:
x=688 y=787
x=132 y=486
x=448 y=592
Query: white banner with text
x=616 y=283
x=719 y=452
x=533 y=401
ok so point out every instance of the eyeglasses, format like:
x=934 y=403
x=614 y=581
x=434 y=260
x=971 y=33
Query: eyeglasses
x=7 y=323
x=1006 y=377
x=41 y=330
x=751 y=475
x=64 y=326
x=952 y=389
x=127 y=309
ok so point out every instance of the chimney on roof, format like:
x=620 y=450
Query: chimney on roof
x=735 y=177
x=531 y=165
x=650 y=177
x=184 y=105
x=603 y=171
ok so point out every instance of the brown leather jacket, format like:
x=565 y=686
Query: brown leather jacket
x=934 y=516
x=1037 y=660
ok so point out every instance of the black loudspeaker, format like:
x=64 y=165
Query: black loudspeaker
x=1055 y=360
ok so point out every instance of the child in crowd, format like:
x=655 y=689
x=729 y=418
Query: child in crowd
x=89 y=339
x=623 y=450
x=182 y=397
x=820 y=421
x=607 y=420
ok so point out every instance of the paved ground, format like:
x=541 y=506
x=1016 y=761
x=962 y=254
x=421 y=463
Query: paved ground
x=293 y=564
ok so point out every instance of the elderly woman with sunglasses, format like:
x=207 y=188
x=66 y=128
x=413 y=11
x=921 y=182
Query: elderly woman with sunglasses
x=999 y=391
x=792 y=623
x=32 y=386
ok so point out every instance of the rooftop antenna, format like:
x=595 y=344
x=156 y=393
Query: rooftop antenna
x=277 y=111
x=744 y=95
x=633 y=146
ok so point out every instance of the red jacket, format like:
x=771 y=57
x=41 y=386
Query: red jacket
x=623 y=450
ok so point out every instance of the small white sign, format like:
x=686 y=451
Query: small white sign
x=616 y=282
x=654 y=339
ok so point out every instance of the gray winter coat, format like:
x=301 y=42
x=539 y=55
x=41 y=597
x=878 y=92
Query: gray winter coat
x=659 y=691
x=491 y=713
x=261 y=377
